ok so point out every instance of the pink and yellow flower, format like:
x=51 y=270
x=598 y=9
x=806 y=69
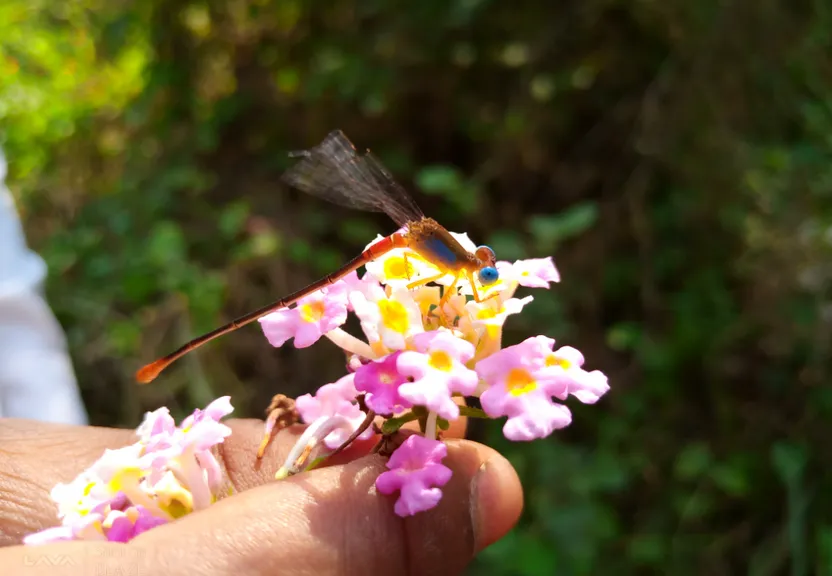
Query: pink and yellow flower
x=417 y=473
x=311 y=318
x=331 y=401
x=380 y=380
x=168 y=473
x=521 y=386
x=437 y=371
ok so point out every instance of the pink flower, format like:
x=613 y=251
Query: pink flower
x=521 y=386
x=214 y=412
x=169 y=472
x=417 y=472
x=388 y=321
x=123 y=526
x=310 y=319
x=187 y=450
x=366 y=285
x=156 y=424
x=532 y=273
x=380 y=379
x=334 y=401
x=587 y=387
x=438 y=370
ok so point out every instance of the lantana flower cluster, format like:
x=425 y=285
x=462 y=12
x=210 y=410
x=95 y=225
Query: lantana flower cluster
x=168 y=473
x=424 y=349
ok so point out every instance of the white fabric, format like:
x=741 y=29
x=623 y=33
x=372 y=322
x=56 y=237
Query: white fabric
x=37 y=380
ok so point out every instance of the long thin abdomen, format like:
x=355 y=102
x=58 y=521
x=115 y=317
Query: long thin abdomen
x=149 y=372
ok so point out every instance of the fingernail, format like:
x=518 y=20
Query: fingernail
x=496 y=501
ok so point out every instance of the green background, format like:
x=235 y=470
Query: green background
x=675 y=157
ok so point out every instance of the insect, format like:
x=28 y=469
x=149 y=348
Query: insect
x=335 y=171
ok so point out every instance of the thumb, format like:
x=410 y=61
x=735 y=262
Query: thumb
x=332 y=521
x=329 y=521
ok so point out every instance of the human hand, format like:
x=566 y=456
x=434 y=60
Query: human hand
x=329 y=521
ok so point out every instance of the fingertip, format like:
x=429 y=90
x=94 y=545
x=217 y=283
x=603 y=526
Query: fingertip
x=496 y=500
x=479 y=505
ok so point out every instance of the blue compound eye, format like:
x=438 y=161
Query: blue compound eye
x=488 y=275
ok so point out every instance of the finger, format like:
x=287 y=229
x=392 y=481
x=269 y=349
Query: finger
x=35 y=456
x=332 y=521
x=329 y=521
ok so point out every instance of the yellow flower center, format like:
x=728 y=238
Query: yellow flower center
x=172 y=497
x=396 y=268
x=520 y=382
x=554 y=360
x=440 y=360
x=394 y=315
x=177 y=508
x=486 y=313
x=126 y=479
x=387 y=378
x=312 y=312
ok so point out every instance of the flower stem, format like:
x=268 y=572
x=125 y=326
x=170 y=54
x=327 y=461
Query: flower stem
x=471 y=412
x=350 y=343
x=391 y=425
x=430 y=427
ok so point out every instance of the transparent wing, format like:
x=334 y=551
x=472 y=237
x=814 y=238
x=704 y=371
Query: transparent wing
x=335 y=171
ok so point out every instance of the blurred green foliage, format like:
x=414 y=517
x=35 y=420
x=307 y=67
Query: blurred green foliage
x=675 y=157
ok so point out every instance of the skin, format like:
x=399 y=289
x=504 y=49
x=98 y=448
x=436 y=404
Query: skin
x=329 y=521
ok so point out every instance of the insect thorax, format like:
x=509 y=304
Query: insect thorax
x=431 y=241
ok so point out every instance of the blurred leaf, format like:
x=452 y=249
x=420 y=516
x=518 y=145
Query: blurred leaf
x=300 y=251
x=233 y=218
x=646 y=548
x=824 y=546
x=789 y=462
x=507 y=245
x=439 y=179
x=693 y=461
x=166 y=244
x=448 y=182
x=624 y=336
x=731 y=479
x=123 y=336
x=549 y=230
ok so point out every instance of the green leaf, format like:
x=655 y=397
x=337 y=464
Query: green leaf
x=730 y=478
x=549 y=230
x=166 y=244
x=693 y=461
x=624 y=336
x=233 y=218
x=507 y=244
x=789 y=461
x=439 y=179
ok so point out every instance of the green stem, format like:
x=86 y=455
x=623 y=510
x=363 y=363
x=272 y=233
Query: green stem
x=473 y=412
x=393 y=424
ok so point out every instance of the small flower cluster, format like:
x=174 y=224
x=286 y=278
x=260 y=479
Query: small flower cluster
x=168 y=473
x=426 y=347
